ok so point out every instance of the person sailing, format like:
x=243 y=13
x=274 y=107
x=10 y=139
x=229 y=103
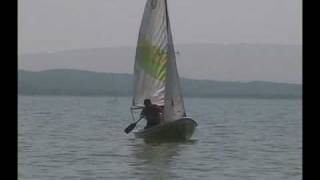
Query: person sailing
x=152 y=113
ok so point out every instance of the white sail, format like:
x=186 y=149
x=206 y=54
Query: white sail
x=174 y=105
x=155 y=69
x=151 y=55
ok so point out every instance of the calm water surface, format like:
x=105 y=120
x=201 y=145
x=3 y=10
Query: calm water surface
x=82 y=138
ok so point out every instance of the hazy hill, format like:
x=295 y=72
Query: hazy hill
x=236 y=62
x=78 y=82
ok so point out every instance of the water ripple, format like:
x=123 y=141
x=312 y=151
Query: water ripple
x=82 y=138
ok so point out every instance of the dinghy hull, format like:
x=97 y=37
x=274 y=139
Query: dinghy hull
x=179 y=130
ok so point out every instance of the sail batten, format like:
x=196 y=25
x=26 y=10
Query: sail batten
x=155 y=69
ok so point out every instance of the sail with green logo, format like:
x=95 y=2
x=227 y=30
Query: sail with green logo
x=156 y=78
x=155 y=70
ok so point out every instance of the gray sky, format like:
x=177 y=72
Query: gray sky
x=54 y=25
x=50 y=25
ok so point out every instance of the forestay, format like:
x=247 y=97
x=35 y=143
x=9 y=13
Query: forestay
x=155 y=70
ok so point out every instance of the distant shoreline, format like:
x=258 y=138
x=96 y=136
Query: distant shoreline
x=128 y=96
x=188 y=97
x=241 y=62
x=68 y=82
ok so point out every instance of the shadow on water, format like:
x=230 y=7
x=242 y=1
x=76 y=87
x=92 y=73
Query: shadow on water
x=156 y=160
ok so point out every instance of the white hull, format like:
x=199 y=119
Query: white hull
x=179 y=130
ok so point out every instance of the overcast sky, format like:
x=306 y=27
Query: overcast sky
x=50 y=25
x=54 y=25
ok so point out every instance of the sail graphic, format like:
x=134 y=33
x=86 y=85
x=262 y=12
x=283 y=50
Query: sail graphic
x=151 y=55
x=155 y=69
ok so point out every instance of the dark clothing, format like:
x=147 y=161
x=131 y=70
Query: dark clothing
x=152 y=114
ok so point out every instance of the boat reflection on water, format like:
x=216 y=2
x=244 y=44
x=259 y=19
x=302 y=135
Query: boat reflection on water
x=156 y=160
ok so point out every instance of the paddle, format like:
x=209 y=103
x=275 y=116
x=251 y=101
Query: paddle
x=132 y=126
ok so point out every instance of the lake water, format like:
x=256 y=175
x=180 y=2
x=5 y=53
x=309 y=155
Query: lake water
x=82 y=138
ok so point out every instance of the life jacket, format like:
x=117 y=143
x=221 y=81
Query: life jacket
x=151 y=112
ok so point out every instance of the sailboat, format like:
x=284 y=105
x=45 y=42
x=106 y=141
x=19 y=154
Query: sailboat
x=156 y=76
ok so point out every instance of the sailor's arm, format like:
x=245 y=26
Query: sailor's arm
x=142 y=114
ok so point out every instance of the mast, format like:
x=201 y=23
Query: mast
x=167 y=16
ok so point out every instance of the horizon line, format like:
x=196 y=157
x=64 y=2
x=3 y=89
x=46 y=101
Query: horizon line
x=232 y=81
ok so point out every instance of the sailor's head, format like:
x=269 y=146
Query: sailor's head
x=147 y=102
